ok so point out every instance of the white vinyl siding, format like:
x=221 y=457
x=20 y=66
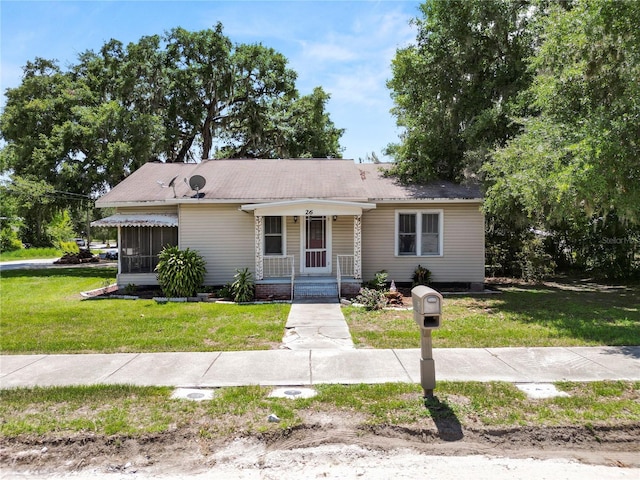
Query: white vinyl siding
x=342 y=238
x=293 y=239
x=147 y=210
x=462 y=257
x=223 y=235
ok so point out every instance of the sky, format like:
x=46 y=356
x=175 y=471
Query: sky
x=346 y=47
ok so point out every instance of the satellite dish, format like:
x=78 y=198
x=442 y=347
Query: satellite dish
x=197 y=182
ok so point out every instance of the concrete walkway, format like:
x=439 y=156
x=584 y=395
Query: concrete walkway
x=27 y=264
x=314 y=325
x=309 y=367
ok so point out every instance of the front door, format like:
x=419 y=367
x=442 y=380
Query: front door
x=316 y=245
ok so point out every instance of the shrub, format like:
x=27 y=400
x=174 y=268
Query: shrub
x=379 y=281
x=226 y=291
x=180 y=272
x=242 y=288
x=60 y=229
x=421 y=276
x=69 y=247
x=131 y=289
x=9 y=240
x=534 y=262
x=372 y=299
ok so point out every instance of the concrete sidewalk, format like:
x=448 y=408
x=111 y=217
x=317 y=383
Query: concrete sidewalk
x=309 y=367
x=312 y=325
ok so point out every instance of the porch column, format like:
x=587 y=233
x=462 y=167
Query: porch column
x=259 y=229
x=357 y=246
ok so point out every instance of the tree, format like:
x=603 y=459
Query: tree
x=455 y=89
x=177 y=97
x=576 y=166
x=289 y=128
x=32 y=201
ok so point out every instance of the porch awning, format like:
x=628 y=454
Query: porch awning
x=137 y=220
x=307 y=206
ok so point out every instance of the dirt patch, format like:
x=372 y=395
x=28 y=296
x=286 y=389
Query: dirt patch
x=186 y=450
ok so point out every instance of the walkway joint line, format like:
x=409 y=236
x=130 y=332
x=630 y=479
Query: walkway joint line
x=122 y=366
x=211 y=365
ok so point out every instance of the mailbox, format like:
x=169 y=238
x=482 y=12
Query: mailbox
x=427 y=311
x=427 y=307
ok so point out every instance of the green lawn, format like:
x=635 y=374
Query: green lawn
x=42 y=312
x=30 y=254
x=133 y=411
x=553 y=315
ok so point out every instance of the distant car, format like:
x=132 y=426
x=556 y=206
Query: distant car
x=80 y=242
x=111 y=254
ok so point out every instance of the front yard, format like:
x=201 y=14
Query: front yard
x=42 y=312
x=95 y=426
x=554 y=314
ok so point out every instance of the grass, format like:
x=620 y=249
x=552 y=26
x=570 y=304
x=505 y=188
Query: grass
x=128 y=410
x=42 y=312
x=30 y=254
x=537 y=316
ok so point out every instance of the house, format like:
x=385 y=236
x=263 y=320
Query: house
x=314 y=224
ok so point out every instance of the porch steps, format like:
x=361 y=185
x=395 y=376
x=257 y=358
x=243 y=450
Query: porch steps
x=315 y=288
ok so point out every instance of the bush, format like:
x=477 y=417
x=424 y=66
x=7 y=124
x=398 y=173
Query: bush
x=60 y=229
x=180 y=272
x=69 y=247
x=372 y=299
x=421 y=276
x=226 y=291
x=9 y=240
x=379 y=281
x=534 y=262
x=242 y=288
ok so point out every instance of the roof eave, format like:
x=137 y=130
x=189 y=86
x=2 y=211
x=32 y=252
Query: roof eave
x=425 y=199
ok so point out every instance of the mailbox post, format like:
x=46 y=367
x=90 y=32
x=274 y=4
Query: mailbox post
x=427 y=312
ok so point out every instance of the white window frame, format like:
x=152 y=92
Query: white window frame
x=283 y=222
x=418 y=214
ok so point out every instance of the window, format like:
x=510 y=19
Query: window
x=430 y=234
x=273 y=236
x=140 y=247
x=407 y=234
x=419 y=233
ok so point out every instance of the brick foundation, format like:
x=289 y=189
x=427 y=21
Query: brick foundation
x=273 y=291
x=350 y=289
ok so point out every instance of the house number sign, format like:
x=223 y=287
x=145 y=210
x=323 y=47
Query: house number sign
x=308 y=212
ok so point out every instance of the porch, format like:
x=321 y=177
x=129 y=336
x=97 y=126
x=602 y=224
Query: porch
x=308 y=248
x=280 y=282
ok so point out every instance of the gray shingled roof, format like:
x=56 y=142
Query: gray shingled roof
x=257 y=180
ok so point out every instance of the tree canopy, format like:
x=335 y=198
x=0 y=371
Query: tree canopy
x=580 y=153
x=539 y=100
x=453 y=89
x=177 y=97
